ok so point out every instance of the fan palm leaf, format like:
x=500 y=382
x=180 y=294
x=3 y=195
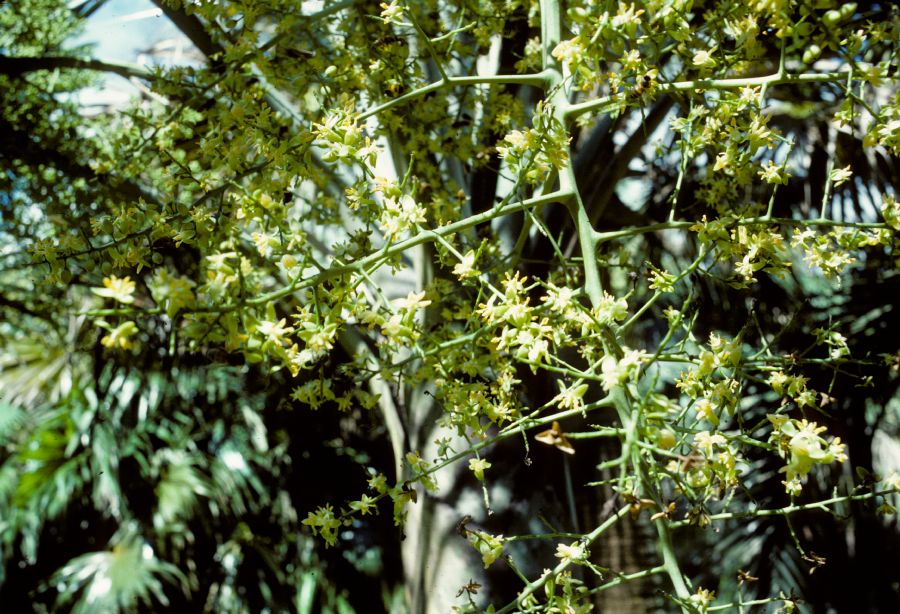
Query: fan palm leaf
x=119 y=579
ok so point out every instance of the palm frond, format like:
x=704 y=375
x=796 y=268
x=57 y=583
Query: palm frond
x=118 y=579
x=180 y=485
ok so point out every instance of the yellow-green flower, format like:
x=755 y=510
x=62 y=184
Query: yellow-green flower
x=489 y=546
x=478 y=466
x=704 y=59
x=466 y=267
x=117 y=289
x=773 y=173
x=570 y=553
x=120 y=336
x=364 y=505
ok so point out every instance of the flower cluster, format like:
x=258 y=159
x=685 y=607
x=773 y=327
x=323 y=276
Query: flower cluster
x=715 y=392
x=344 y=140
x=324 y=523
x=120 y=337
x=751 y=248
x=617 y=372
x=799 y=442
x=172 y=292
x=711 y=466
x=490 y=547
x=794 y=387
x=534 y=153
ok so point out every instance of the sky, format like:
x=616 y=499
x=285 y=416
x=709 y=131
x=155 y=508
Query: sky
x=121 y=29
x=129 y=32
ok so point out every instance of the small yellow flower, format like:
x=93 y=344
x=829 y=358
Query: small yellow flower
x=117 y=289
x=573 y=552
x=478 y=466
x=391 y=12
x=707 y=411
x=773 y=173
x=274 y=332
x=489 y=546
x=892 y=482
x=120 y=336
x=704 y=59
x=364 y=505
x=569 y=52
x=324 y=522
x=378 y=483
x=412 y=302
x=702 y=599
x=841 y=175
x=466 y=267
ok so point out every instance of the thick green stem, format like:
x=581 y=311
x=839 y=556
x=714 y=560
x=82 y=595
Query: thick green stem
x=551 y=33
x=670 y=561
x=587 y=239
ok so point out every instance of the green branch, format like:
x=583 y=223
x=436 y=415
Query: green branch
x=536 y=79
x=623 y=578
x=603 y=237
x=788 y=510
x=574 y=110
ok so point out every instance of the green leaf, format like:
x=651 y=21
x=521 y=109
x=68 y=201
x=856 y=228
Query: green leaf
x=12 y=420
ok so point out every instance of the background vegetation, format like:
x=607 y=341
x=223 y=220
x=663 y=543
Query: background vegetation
x=495 y=305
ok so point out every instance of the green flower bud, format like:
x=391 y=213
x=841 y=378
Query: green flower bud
x=811 y=54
